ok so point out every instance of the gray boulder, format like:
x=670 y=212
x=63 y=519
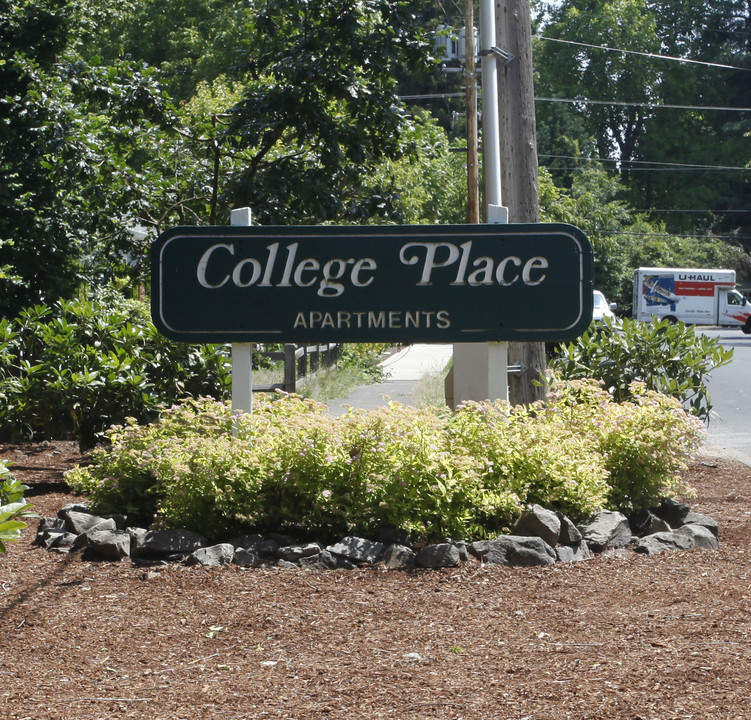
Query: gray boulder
x=645 y=522
x=606 y=530
x=703 y=537
x=326 y=560
x=573 y=553
x=110 y=544
x=672 y=511
x=167 y=542
x=664 y=542
x=293 y=553
x=81 y=522
x=539 y=522
x=358 y=549
x=438 y=556
x=213 y=556
x=569 y=533
x=398 y=557
x=705 y=521
x=514 y=550
x=244 y=557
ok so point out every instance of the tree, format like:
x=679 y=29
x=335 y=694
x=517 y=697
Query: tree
x=584 y=73
x=320 y=110
x=32 y=34
x=678 y=155
x=187 y=41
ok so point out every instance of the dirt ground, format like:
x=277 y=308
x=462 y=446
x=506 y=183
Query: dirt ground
x=620 y=636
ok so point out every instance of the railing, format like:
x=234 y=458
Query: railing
x=299 y=362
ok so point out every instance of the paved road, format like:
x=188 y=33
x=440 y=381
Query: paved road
x=730 y=391
x=404 y=370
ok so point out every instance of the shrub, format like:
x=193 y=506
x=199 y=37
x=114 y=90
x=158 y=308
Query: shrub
x=671 y=358
x=291 y=467
x=79 y=366
x=12 y=507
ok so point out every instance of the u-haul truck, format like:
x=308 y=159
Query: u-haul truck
x=694 y=296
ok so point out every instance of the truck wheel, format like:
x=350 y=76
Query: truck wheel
x=671 y=319
x=747 y=327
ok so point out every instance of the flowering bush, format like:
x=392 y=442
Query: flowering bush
x=428 y=472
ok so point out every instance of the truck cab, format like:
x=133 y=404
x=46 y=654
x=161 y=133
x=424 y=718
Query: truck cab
x=733 y=309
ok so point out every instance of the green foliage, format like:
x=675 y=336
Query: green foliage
x=431 y=180
x=320 y=110
x=12 y=507
x=431 y=473
x=622 y=240
x=670 y=124
x=77 y=367
x=670 y=358
x=363 y=358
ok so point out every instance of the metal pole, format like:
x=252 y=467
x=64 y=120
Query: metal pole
x=470 y=81
x=490 y=115
x=481 y=369
x=242 y=353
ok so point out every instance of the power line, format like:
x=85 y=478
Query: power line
x=643 y=54
x=667 y=165
x=587 y=101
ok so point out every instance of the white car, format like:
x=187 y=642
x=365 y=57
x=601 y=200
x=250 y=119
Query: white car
x=602 y=308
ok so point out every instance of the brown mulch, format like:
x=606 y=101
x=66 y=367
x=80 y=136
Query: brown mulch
x=620 y=636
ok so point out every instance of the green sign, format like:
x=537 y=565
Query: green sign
x=413 y=283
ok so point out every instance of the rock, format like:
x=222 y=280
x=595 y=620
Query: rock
x=81 y=522
x=663 y=542
x=60 y=540
x=213 y=556
x=569 y=533
x=703 y=537
x=705 y=521
x=293 y=553
x=167 y=542
x=606 y=530
x=244 y=557
x=110 y=544
x=358 y=549
x=326 y=560
x=645 y=522
x=538 y=522
x=263 y=547
x=514 y=550
x=573 y=553
x=398 y=557
x=672 y=512
x=438 y=556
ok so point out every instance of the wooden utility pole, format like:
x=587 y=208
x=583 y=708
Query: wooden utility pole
x=519 y=166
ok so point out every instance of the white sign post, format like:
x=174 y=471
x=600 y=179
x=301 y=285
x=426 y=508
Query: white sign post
x=481 y=369
x=242 y=353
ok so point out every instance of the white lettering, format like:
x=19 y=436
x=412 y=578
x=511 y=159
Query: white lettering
x=203 y=264
x=500 y=273
x=237 y=272
x=309 y=264
x=535 y=263
x=366 y=265
x=483 y=276
x=430 y=262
